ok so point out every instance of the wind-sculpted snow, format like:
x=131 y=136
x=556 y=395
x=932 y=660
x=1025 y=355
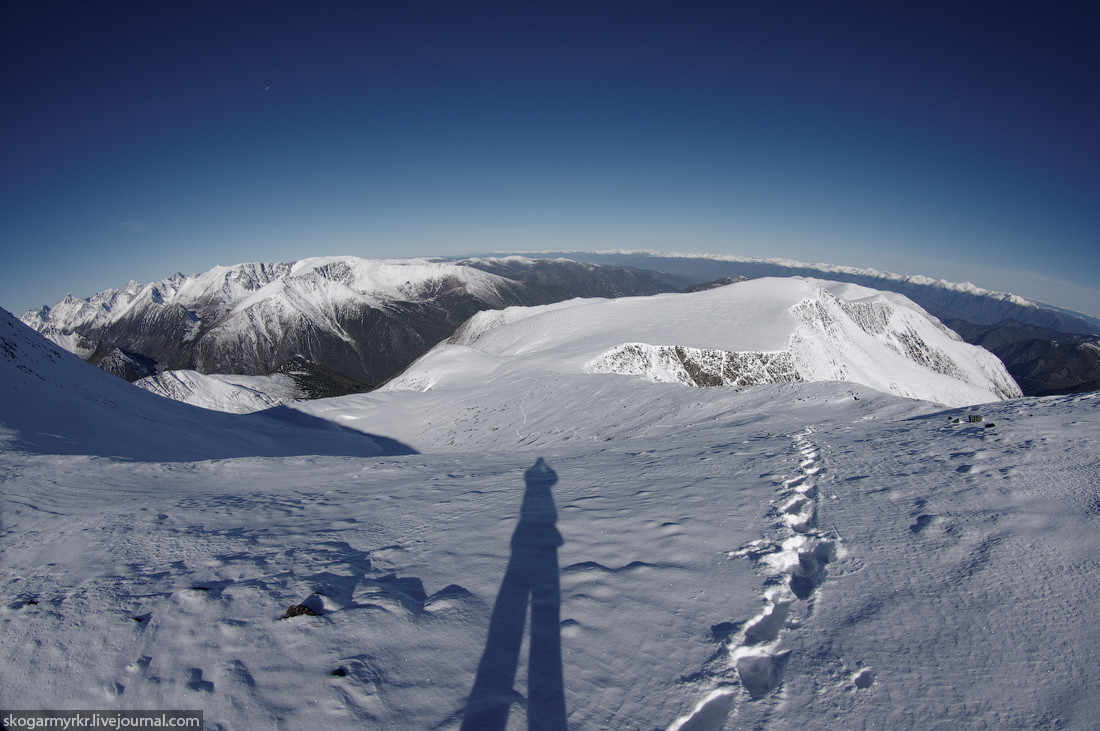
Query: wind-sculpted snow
x=746 y=334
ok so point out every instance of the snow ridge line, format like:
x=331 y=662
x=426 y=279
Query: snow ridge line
x=755 y=658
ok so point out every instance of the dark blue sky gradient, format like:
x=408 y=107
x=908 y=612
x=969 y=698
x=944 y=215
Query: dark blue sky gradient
x=141 y=139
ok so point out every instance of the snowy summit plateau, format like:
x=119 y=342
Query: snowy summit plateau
x=745 y=334
x=549 y=494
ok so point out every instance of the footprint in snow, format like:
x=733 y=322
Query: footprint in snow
x=923 y=521
x=197 y=683
x=863 y=679
x=753 y=653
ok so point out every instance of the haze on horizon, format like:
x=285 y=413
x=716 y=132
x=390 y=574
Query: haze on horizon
x=951 y=141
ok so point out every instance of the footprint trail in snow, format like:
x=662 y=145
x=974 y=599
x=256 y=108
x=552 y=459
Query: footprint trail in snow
x=754 y=658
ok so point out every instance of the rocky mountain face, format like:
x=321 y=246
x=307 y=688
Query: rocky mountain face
x=128 y=366
x=349 y=320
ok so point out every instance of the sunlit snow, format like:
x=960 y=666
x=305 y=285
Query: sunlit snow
x=794 y=555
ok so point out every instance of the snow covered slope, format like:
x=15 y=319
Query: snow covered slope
x=749 y=333
x=363 y=318
x=54 y=403
x=235 y=394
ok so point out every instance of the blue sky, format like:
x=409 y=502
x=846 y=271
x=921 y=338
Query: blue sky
x=955 y=140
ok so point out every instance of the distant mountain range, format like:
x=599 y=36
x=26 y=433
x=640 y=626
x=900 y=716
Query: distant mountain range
x=364 y=320
x=343 y=324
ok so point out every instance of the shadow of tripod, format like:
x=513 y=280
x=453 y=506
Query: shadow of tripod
x=532 y=575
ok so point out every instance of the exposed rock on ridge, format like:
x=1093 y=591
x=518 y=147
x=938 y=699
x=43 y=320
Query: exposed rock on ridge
x=696 y=366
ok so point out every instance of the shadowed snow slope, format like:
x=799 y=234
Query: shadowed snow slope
x=55 y=403
x=749 y=333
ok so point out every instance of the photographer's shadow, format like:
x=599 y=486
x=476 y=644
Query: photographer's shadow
x=532 y=575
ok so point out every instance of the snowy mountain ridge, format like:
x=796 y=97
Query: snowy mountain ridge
x=363 y=318
x=749 y=333
x=238 y=288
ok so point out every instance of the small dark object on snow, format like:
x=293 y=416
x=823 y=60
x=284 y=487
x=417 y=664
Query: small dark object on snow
x=200 y=588
x=990 y=425
x=298 y=610
x=974 y=418
x=339 y=672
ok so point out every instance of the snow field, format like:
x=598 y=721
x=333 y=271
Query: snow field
x=797 y=555
x=680 y=570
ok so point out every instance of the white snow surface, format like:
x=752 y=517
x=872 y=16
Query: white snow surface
x=231 y=393
x=795 y=555
x=756 y=331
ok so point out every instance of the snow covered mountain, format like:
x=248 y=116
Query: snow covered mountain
x=1044 y=362
x=580 y=278
x=361 y=322
x=1057 y=359
x=748 y=333
x=365 y=319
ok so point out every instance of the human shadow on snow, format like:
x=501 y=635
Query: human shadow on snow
x=531 y=576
